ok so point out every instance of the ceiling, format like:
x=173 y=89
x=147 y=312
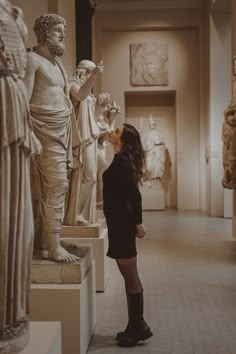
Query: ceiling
x=215 y=5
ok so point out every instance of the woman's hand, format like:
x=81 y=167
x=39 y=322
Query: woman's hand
x=140 y=231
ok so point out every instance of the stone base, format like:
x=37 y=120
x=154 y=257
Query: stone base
x=90 y=231
x=45 y=338
x=49 y=272
x=100 y=245
x=17 y=342
x=153 y=198
x=74 y=305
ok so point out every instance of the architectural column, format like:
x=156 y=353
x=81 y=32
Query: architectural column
x=84 y=14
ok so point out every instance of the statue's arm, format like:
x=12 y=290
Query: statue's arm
x=29 y=80
x=80 y=92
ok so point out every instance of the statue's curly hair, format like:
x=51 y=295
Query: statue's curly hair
x=133 y=149
x=44 y=24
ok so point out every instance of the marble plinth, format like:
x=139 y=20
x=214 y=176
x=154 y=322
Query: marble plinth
x=153 y=198
x=89 y=231
x=49 y=272
x=44 y=338
x=73 y=305
x=99 y=242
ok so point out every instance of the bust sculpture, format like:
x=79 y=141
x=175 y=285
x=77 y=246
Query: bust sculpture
x=17 y=142
x=51 y=110
x=81 y=200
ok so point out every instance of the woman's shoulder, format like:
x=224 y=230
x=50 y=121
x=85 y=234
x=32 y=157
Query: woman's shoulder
x=123 y=160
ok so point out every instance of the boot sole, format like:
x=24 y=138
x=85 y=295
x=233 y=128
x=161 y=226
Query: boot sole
x=123 y=343
x=146 y=336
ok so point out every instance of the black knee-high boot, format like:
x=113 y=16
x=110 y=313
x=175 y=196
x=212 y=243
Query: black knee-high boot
x=137 y=329
x=120 y=335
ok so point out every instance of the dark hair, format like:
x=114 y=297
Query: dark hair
x=133 y=149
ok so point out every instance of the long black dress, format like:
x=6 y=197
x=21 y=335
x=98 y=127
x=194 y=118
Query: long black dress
x=122 y=207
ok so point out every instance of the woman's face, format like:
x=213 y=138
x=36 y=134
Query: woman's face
x=115 y=136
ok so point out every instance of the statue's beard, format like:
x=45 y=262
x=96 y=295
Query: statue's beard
x=56 y=48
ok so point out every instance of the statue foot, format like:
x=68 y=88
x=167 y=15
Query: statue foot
x=13 y=330
x=59 y=254
x=81 y=221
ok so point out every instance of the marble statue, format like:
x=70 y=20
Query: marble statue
x=51 y=112
x=229 y=147
x=154 y=149
x=106 y=113
x=16 y=144
x=81 y=200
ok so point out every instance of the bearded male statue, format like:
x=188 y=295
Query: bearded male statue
x=51 y=110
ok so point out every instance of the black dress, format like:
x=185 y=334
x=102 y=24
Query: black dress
x=122 y=205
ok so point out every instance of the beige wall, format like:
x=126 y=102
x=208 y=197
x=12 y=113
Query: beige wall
x=66 y=9
x=184 y=31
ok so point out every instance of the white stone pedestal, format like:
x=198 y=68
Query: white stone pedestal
x=153 y=198
x=95 y=235
x=73 y=304
x=44 y=338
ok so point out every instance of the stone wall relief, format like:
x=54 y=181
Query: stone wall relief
x=149 y=64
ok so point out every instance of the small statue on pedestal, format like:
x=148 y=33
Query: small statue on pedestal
x=229 y=147
x=81 y=199
x=154 y=148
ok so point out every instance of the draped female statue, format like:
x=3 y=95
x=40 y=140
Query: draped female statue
x=16 y=221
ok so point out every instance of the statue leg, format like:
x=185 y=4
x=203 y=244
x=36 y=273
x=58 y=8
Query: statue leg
x=52 y=170
x=87 y=199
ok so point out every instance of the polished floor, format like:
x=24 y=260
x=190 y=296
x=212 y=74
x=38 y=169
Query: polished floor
x=187 y=264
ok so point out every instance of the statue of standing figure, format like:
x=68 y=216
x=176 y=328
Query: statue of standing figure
x=17 y=142
x=229 y=147
x=51 y=111
x=81 y=199
x=106 y=114
x=154 y=148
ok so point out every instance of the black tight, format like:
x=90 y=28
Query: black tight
x=129 y=271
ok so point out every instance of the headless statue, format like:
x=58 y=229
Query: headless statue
x=17 y=142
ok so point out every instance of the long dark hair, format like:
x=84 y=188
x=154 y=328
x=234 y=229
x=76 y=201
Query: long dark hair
x=133 y=149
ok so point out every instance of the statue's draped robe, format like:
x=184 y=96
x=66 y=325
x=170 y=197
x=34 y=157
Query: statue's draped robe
x=153 y=145
x=81 y=199
x=16 y=219
x=229 y=147
x=53 y=128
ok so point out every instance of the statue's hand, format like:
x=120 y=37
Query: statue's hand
x=99 y=68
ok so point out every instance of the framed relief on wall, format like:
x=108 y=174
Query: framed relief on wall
x=149 y=64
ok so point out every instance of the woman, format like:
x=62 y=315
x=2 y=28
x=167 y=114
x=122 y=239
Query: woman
x=123 y=212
